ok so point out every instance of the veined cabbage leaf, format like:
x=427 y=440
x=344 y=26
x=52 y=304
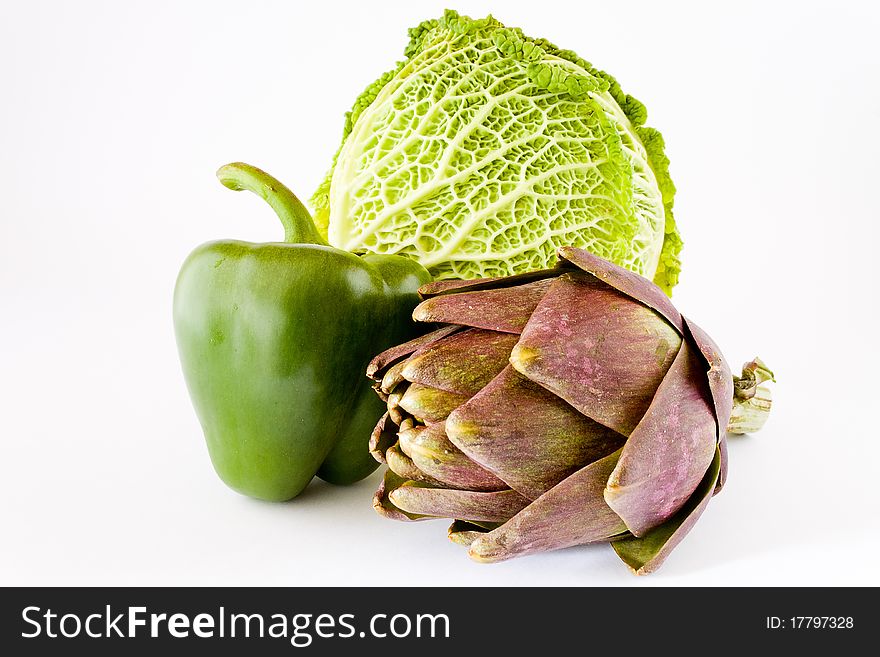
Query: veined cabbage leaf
x=485 y=150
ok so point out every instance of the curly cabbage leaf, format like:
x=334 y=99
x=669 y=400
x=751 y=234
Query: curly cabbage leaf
x=485 y=150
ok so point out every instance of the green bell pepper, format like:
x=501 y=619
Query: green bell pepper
x=274 y=340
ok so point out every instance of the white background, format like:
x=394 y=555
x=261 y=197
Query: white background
x=113 y=119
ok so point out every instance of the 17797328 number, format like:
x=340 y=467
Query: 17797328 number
x=810 y=623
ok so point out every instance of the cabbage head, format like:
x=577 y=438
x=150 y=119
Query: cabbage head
x=485 y=150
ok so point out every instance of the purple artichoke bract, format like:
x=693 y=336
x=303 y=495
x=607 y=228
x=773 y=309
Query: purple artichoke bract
x=561 y=407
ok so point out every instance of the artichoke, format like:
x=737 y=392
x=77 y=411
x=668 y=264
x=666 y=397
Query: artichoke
x=557 y=408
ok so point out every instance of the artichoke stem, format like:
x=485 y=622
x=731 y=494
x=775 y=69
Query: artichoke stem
x=751 y=400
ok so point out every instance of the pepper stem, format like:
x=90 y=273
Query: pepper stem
x=298 y=225
x=751 y=400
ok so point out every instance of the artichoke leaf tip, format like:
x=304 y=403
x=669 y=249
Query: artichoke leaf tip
x=522 y=358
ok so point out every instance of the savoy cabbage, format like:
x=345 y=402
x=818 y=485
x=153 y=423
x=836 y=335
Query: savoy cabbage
x=485 y=150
